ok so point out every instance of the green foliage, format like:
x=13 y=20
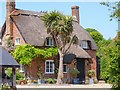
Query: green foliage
x=6 y=87
x=60 y=27
x=91 y=73
x=111 y=64
x=24 y=54
x=74 y=71
x=97 y=36
x=111 y=58
x=19 y=75
x=91 y=30
x=9 y=72
x=114 y=8
x=51 y=81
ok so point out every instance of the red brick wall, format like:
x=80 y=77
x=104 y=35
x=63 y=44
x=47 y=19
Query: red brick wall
x=92 y=53
x=16 y=34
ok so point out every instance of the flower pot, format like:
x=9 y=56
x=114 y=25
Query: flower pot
x=22 y=82
x=39 y=81
x=91 y=81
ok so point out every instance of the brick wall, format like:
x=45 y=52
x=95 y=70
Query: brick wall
x=92 y=53
x=16 y=34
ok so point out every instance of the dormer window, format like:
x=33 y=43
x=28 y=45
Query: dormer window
x=49 y=42
x=17 y=41
x=86 y=44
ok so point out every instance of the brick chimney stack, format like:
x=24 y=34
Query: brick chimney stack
x=10 y=7
x=75 y=12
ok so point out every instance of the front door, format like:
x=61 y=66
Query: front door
x=81 y=68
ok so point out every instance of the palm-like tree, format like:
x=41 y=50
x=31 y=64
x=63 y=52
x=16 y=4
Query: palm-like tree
x=61 y=28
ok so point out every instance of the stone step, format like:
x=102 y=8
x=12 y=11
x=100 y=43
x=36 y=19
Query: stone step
x=101 y=82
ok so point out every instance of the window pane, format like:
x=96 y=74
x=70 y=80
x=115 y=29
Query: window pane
x=17 y=41
x=47 y=42
x=64 y=68
x=51 y=42
x=47 y=69
x=84 y=44
x=51 y=70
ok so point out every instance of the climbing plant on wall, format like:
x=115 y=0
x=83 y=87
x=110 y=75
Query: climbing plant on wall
x=24 y=54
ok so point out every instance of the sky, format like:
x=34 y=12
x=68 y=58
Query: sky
x=92 y=14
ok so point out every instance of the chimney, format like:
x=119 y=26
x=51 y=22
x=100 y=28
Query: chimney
x=10 y=7
x=75 y=12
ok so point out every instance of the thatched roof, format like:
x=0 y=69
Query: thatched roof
x=83 y=35
x=75 y=51
x=33 y=31
x=30 y=26
x=6 y=60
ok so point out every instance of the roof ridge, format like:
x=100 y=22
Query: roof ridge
x=17 y=12
x=32 y=11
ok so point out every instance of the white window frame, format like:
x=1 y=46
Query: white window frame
x=66 y=68
x=84 y=44
x=50 y=40
x=17 y=41
x=49 y=67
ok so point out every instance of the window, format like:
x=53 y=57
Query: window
x=17 y=41
x=85 y=44
x=49 y=42
x=22 y=68
x=65 y=68
x=49 y=66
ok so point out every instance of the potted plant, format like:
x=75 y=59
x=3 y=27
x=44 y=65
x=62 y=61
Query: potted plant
x=91 y=74
x=74 y=72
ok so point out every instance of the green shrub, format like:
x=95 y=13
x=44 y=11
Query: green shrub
x=5 y=87
x=91 y=73
x=51 y=81
x=19 y=76
x=74 y=71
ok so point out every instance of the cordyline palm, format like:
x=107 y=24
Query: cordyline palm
x=61 y=28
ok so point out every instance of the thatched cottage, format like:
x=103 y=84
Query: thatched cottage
x=25 y=27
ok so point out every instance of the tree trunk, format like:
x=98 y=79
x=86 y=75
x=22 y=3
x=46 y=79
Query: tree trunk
x=60 y=71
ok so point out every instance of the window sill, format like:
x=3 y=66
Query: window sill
x=17 y=44
x=49 y=72
x=64 y=72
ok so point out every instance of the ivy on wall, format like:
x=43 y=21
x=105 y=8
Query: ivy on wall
x=24 y=54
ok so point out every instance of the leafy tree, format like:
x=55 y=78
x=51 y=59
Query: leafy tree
x=97 y=36
x=114 y=8
x=112 y=65
x=91 y=30
x=113 y=71
x=60 y=27
x=101 y=52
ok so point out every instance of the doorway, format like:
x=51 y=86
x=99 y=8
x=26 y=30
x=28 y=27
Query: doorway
x=81 y=68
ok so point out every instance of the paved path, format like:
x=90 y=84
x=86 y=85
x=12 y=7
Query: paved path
x=65 y=86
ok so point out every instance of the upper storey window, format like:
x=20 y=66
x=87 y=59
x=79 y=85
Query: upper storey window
x=17 y=41
x=86 y=44
x=49 y=41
